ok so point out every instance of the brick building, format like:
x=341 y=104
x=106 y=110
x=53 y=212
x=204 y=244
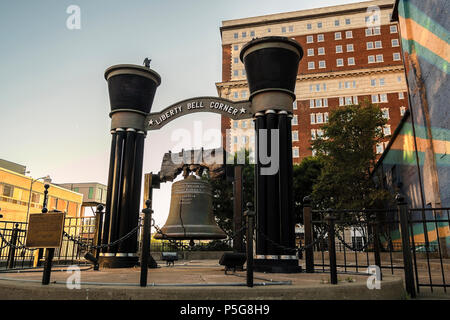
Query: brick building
x=350 y=54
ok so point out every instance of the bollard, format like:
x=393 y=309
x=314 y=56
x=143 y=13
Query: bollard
x=307 y=224
x=98 y=232
x=376 y=242
x=402 y=208
x=12 y=249
x=145 y=252
x=49 y=251
x=250 y=216
x=332 y=248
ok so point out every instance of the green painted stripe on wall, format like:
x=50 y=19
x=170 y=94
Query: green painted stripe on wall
x=402 y=157
x=432 y=58
x=408 y=10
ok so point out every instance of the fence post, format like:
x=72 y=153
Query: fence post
x=12 y=249
x=145 y=252
x=249 y=215
x=376 y=242
x=98 y=232
x=308 y=229
x=402 y=207
x=332 y=247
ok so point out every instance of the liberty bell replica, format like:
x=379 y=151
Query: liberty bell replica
x=191 y=211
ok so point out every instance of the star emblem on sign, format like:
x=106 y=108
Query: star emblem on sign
x=243 y=110
x=150 y=122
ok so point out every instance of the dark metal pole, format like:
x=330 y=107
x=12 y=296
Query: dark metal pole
x=308 y=227
x=407 y=260
x=145 y=253
x=126 y=195
x=273 y=190
x=44 y=210
x=116 y=188
x=290 y=182
x=260 y=190
x=50 y=251
x=376 y=241
x=105 y=234
x=250 y=215
x=12 y=249
x=98 y=231
x=286 y=229
x=332 y=248
x=238 y=200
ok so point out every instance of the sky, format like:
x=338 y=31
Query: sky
x=54 y=101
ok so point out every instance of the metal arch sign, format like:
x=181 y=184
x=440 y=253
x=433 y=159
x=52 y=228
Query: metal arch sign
x=234 y=110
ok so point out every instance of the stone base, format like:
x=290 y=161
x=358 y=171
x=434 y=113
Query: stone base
x=118 y=261
x=276 y=266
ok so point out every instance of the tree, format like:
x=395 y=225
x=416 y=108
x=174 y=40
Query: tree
x=305 y=176
x=223 y=195
x=347 y=151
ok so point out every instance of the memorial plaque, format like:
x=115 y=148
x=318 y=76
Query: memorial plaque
x=45 y=230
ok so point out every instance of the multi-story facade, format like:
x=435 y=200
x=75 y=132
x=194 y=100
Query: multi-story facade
x=21 y=195
x=94 y=193
x=350 y=54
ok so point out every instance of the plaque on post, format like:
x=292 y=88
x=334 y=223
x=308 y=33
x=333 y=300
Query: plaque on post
x=45 y=230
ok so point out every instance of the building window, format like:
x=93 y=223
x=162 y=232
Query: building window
x=244 y=124
x=320 y=38
x=347 y=21
x=381 y=82
x=295 y=153
x=339 y=62
x=393 y=29
x=387 y=130
x=294 y=120
x=322 y=64
x=294 y=105
x=369 y=45
x=375 y=98
x=385 y=112
x=313 y=118
x=402 y=111
x=396 y=56
x=283 y=29
x=395 y=42
x=368 y=32
x=348 y=34
x=236 y=48
x=347 y=84
x=319 y=25
x=318 y=103
x=325 y=102
x=309 y=26
x=376 y=31
x=319 y=133
x=244 y=34
x=371 y=59
x=311 y=65
x=325 y=117
x=294 y=135
x=252 y=34
x=236 y=73
x=336 y=23
x=236 y=35
x=318 y=87
x=338 y=49
x=243 y=72
x=321 y=51
x=235 y=139
x=291 y=28
x=401 y=95
x=355 y=99
x=350 y=47
x=348 y=101
x=244 y=94
x=91 y=193
x=337 y=36
x=383 y=97
x=310 y=52
x=319 y=118
x=236 y=94
x=311 y=103
x=373 y=82
x=309 y=39
x=380 y=58
x=313 y=134
x=341 y=101
x=379 y=148
x=236 y=60
x=351 y=61
x=378 y=45
x=235 y=124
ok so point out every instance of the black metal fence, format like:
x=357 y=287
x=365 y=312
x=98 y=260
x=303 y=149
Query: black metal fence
x=413 y=243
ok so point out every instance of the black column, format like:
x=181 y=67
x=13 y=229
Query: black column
x=127 y=176
x=107 y=216
x=285 y=223
x=273 y=191
x=260 y=190
x=290 y=183
x=116 y=188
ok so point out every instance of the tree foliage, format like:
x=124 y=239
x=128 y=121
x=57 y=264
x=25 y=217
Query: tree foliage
x=347 y=152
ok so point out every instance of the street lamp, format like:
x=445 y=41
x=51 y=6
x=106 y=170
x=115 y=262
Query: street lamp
x=47 y=177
